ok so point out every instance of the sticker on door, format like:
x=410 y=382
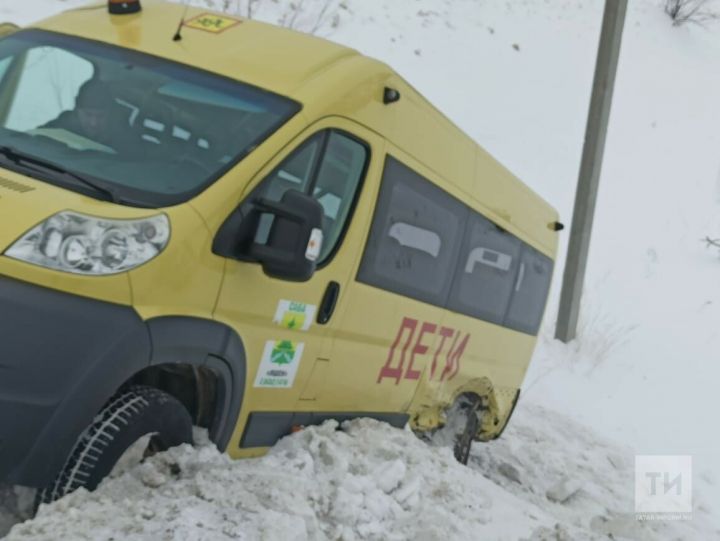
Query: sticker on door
x=294 y=315
x=279 y=364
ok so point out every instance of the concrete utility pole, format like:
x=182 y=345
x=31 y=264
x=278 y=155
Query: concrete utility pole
x=589 y=179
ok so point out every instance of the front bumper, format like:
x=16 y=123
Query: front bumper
x=61 y=356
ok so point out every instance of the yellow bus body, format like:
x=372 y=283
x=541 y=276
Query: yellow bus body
x=368 y=358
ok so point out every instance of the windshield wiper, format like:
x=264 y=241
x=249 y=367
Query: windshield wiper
x=17 y=156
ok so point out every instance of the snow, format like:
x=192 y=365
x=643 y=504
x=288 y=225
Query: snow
x=516 y=76
x=371 y=481
x=652 y=284
x=13 y=508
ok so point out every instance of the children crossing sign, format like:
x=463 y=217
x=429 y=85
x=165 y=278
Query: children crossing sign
x=212 y=23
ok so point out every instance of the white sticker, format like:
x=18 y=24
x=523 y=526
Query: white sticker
x=294 y=315
x=314 y=245
x=488 y=257
x=279 y=364
x=418 y=238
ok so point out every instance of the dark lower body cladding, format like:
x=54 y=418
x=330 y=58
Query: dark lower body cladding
x=53 y=347
x=265 y=428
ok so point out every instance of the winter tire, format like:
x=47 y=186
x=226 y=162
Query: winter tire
x=132 y=413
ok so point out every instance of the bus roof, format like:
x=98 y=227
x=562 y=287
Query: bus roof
x=274 y=58
x=328 y=79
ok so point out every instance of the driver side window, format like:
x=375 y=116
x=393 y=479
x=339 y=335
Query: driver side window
x=330 y=166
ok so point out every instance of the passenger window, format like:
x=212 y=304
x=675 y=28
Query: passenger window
x=415 y=237
x=530 y=292
x=427 y=245
x=330 y=166
x=486 y=272
x=49 y=85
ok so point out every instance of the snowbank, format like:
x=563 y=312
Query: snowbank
x=547 y=479
x=14 y=507
x=584 y=481
x=369 y=481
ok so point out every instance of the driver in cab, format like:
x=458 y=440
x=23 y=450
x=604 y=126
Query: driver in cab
x=89 y=124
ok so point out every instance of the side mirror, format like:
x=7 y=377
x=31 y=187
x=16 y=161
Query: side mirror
x=295 y=238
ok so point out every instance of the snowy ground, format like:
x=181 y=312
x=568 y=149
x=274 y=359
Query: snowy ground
x=516 y=76
x=371 y=481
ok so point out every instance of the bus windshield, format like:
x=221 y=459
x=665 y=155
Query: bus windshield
x=151 y=131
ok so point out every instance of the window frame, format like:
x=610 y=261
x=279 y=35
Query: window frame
x=456 y=266
x=325 y=134
x=454 y=300
x=519 y=327
x=424 y=188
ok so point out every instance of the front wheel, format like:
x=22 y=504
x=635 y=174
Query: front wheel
x=128 y=416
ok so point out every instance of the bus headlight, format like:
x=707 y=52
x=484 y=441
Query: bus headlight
x=73 y=242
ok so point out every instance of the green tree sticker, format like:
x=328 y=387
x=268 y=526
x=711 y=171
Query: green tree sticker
x=283 y=352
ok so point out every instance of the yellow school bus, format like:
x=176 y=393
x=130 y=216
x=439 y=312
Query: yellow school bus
x=211 y=221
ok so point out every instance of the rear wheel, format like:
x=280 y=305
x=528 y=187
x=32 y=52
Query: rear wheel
x=135 y=414
x=461 y=427
x=464 y=439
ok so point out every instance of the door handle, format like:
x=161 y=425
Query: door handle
x=327 y=307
